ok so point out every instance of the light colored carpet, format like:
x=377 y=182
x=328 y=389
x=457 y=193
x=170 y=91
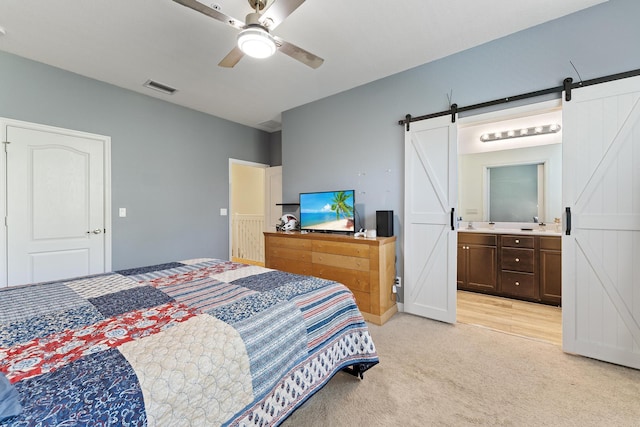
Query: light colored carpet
x=435 y=374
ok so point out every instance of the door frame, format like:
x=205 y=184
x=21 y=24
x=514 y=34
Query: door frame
x=232 y=162
x=106 y=141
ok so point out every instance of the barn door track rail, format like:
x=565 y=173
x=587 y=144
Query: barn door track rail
x=567 y=86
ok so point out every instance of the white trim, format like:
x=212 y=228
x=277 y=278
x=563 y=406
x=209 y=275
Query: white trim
x=3 y=207
x=107 y=204
x=106 y=140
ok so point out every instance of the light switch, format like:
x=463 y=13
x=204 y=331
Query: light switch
x=223 y=212
x=122 y=212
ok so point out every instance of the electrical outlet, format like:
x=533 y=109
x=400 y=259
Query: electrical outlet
x=398 y=281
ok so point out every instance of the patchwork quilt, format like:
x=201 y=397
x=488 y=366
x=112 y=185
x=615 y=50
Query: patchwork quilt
x=194 y=343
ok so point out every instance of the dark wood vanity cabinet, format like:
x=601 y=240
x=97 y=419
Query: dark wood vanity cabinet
x=478 y=262
x=517 y=266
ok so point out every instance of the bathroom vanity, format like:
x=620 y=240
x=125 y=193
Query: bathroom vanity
x=511 y=263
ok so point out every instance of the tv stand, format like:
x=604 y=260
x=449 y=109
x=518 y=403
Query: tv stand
x=366 y=266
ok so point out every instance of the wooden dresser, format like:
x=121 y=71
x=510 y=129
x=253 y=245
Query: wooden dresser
x=365 y=266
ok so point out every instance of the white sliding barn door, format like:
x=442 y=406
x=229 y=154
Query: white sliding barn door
x=56 y=204
x=429 y=241
x=601 y=256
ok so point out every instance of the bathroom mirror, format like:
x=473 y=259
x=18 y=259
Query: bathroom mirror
x=514 y=179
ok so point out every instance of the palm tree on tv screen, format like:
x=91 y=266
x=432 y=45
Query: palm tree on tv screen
x=340 y=206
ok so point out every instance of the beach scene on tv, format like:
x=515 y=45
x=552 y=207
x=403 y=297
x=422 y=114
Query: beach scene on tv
x=327 y=211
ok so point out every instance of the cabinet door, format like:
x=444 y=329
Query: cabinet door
x=550 y=276
x=482 y=270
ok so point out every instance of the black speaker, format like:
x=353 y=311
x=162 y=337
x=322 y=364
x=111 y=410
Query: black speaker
x=384 y=223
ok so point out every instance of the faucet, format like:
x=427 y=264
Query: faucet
x=535 y=219
x=470 y=225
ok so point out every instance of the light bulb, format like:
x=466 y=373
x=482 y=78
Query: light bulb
x=256 y=42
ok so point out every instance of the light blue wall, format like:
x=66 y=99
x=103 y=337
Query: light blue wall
x=275 y=143
x=352 y=139
x=169 y=163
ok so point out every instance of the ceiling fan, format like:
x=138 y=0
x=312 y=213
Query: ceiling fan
x=255 y=38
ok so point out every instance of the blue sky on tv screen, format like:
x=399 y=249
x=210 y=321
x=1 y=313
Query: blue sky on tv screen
x=320 y=202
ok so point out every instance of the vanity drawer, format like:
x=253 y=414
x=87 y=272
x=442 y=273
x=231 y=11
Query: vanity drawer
x=517 y=259
x=518 y=284
x=551 y=243
x=478 y=239
x=518 y=241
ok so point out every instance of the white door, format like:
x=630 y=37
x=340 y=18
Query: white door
x=272 y=196
x=601 y=256
x=430 y=237
x=55 y=203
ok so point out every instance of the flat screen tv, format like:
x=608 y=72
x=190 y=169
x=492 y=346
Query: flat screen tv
x=328 y=211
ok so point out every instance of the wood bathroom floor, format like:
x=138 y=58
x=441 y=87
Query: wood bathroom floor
x=531 y=320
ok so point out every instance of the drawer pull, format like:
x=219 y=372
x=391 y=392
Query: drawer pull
x=517 y=240
x=517 y=283
x=517 y=259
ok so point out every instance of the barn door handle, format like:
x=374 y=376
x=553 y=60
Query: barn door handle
x=568 y=211
x=453 y=218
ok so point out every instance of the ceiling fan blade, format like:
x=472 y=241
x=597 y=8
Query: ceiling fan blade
x=298 y=53
x=232 y=58
x=215 y=14
x=278 y=11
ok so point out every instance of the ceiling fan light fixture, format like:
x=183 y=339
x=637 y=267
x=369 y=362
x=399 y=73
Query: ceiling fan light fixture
x=256 y=42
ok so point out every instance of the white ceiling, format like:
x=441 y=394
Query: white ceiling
x=127 y=42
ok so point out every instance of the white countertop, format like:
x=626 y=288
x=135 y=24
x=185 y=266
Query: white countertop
x=510 y=228
x=534 y=232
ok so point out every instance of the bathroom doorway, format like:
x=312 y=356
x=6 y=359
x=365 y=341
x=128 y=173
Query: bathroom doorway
x=517 y=136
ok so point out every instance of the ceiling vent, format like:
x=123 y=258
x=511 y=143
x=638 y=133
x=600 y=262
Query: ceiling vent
x=160 y=87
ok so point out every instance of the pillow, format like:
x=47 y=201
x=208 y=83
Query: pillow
x=9 y=399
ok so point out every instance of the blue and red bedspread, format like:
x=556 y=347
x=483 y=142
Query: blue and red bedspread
x=193 y=343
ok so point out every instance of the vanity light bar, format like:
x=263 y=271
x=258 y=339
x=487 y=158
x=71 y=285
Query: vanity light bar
x=518 y=133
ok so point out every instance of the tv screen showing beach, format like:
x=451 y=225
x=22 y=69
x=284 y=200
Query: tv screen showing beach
x=327 y=211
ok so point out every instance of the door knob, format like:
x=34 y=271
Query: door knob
x=517 y=259
x=96 y=231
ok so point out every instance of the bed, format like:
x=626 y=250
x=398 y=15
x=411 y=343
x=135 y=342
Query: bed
x=198 y=342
